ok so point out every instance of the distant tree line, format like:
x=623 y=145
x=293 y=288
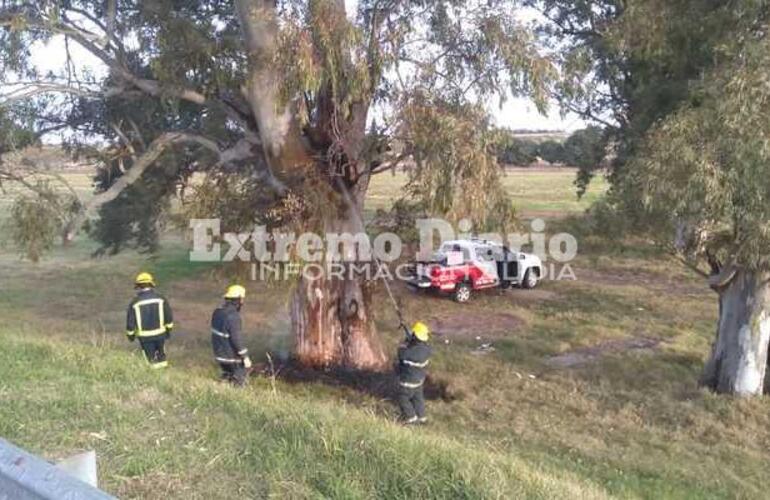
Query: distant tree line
x=585 y=148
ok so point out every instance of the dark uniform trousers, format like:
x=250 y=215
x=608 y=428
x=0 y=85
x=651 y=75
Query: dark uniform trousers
x=234 y=373
x=413 y=358
x=412 y=402
x=154 y=348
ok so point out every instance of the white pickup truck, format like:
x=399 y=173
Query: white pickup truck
x=462 y=266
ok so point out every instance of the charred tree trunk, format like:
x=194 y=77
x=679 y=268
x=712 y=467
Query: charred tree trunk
x=331 y=315
x=739 y=356
x=333 y=326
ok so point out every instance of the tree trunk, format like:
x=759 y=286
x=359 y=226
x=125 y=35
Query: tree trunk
x=331 y=316
x=279 y=130
x=739 y=355
x=333 y=326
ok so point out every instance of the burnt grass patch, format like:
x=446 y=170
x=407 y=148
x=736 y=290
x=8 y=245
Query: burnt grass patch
x=379 y=385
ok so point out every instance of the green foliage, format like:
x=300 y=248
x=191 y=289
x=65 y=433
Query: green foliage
x=181 y=65
x=612 y=217
x=585 y=149
x=239 y=204
x=682 y=81
x=133 y=219
x=321 y=51
x=692 y=164
x=478 y=46
x=455 y=172
x=510 y=150
x=400 y=219
x=15 y=131
x=34 y=227
x=707 y=166
x=37 y=218
x=551 y=151
x=631 y=63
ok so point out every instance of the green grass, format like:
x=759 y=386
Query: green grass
x=537 y=192
x=167 y=434
x=550 y=193
x=627 y=423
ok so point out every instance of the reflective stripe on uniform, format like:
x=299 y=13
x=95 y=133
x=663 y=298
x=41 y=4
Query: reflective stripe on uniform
x=169 y=326
x=161 y=364
x=221 y=334
x=242 y=352
x=410 y=385
x=152 y=333
x=227 y=360
x=138 y=314
x=418 y=365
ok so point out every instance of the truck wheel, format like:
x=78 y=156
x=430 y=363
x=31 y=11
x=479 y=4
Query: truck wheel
x=530 y=279
x=462 y=293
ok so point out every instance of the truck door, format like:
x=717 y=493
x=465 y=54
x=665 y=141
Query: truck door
x=485 y=260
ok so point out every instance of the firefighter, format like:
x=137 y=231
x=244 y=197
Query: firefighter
x=149 y=317
x=413 y=358
x=226 y=337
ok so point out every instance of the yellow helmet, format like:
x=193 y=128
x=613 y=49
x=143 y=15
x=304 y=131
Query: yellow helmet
x=144 y=279
x=235 y=292
x=421 y=331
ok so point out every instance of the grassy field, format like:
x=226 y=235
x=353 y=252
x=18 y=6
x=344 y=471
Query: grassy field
x=589 y=391
x=535 y=192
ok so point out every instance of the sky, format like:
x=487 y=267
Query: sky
x=515 y=113
x=520 y=113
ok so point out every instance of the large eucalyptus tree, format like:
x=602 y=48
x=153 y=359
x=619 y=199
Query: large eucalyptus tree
x=704 y=175
x=289 y=107
x=685 y=83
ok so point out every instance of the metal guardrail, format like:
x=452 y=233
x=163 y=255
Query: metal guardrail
x=24 y=476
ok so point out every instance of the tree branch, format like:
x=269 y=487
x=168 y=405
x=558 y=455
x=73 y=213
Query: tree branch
x=385 y=166
x=31 y=89
x=91 y=43
x=587 y=114
x=141 y=163
x=157 y=147
x=123 y=137
x=693 y=266
x=111 y=14
x=281 y=136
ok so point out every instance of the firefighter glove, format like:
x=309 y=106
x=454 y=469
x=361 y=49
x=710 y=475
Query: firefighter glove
x=247 y=362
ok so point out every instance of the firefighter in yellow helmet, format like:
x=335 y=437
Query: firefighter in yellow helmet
x=149 y=317
x=227 y=338
x=413 y=359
